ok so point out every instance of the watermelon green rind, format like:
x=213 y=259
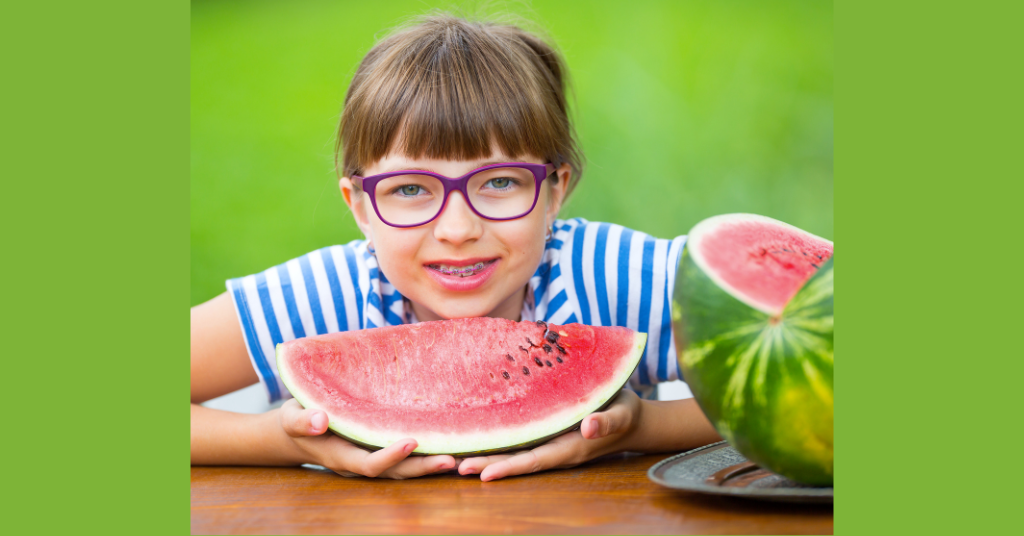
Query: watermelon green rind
x=763 y=379
x=493 y=440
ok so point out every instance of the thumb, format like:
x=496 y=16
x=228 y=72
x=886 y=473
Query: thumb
x=595 y=426
x=603 y=424
x=298 y=422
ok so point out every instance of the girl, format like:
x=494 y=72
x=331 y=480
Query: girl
x=456 y=154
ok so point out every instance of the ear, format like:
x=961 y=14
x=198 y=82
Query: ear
x=558 y=191
x=356 y=202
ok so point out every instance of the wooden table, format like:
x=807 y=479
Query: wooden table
x=607 y=496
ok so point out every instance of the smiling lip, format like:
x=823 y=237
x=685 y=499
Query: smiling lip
x=458 y=283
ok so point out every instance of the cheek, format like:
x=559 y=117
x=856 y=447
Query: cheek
x=394 y=248
x=527 y=242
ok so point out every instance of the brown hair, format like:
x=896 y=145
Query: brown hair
x=450 y=88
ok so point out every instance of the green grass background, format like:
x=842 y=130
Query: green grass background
x=684 y=110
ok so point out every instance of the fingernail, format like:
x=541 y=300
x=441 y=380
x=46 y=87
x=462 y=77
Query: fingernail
x=409 y=448
x=319 y=421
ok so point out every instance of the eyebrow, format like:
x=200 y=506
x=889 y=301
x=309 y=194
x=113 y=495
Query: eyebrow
x=400 y=168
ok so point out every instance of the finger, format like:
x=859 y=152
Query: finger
x=344 y=456
x=298 y=422
x=611 y=421
x=600 y=425
x=392 y=461
x=473 y=466
x=546 y=456
x=445 y=466
x=415 y=466
x=374 y=463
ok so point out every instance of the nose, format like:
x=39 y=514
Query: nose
x=457 y=223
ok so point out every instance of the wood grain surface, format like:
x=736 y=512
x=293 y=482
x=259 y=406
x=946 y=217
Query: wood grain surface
x=608 y=496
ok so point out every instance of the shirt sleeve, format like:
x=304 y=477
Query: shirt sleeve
x=317 y=293
x=652 y=264
x=653 y=269
x=607 y=275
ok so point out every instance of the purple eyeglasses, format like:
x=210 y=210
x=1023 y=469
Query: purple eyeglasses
x=411 y=198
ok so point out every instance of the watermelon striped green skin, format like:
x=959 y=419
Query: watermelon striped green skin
x=763 y=376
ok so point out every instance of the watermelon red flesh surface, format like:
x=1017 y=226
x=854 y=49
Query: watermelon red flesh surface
x=761 y=261
x=459 y=386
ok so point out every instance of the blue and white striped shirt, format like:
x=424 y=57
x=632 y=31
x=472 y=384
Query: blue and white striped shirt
x=598 y=274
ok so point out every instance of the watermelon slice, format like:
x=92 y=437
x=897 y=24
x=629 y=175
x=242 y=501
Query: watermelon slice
x=753 y=321
x=460 y=387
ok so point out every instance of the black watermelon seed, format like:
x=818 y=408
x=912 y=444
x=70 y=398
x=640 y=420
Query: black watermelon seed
x=526 y=371
x=504 y=374
x=524 y=349
x=804 y=252
x=818 y=256
x=814 y=265
x=559 y=359
x=510 y=358
x=541 y=323
x=531 y=342
x=547 y=348
x=548 y=363
x=537 y=360
x=560 y=349
x=552 y=336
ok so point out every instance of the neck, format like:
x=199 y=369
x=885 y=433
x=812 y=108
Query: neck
x=510 y=309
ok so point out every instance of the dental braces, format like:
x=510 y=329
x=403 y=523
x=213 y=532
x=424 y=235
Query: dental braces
x=469 y=270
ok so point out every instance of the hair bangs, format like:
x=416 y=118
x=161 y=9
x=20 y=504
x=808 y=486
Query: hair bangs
x=456 y=90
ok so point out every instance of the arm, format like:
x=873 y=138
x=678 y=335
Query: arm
x=666 y=426
x=291 y=435
x=219 y=364
x=629 y=424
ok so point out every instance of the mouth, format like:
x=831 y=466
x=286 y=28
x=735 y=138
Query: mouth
x=461 y=270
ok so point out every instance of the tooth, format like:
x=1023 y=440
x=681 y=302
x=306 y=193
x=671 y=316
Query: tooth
x=461 y=271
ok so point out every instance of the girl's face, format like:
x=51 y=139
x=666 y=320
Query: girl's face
x=414 y=259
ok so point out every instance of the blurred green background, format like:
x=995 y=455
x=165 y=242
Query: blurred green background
x=684 y=110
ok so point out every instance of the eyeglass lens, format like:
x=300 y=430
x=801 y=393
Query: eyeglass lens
x=494 y=193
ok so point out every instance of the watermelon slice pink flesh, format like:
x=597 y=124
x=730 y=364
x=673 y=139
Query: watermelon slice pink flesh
x=462 y=386
x=760 y=261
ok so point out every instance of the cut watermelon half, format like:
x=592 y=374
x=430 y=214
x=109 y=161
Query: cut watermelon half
x=753 y=321
x=460 y=387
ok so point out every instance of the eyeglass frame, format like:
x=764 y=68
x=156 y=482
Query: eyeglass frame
x=460 y=184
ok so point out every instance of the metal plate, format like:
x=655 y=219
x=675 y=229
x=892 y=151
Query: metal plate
x=719 y=470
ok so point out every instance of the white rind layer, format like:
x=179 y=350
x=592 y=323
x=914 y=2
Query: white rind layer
x=492 y=439
x=695 y=241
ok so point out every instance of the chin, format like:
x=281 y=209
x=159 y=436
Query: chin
x=451 y=311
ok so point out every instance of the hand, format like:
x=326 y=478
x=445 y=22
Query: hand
x=599 y=434
x=307 y=429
